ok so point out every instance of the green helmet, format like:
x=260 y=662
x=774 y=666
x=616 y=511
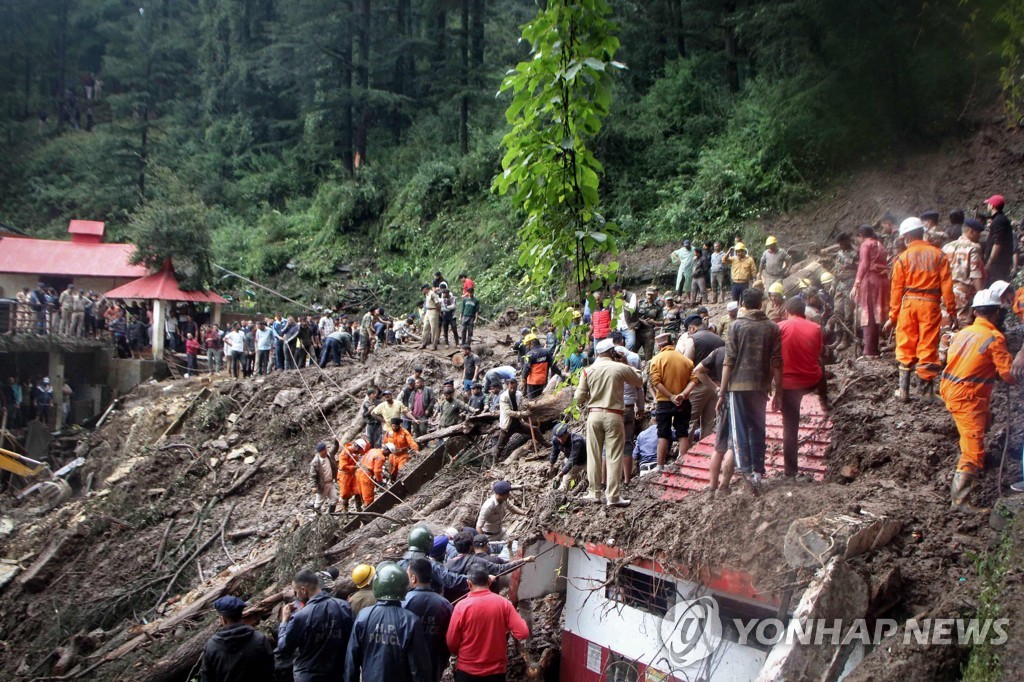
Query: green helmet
x=390 y=583
x=421 y=540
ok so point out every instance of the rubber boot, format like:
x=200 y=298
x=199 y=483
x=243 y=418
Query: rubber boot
x=927 y=391
x=359 y=504
x=960 y=490
x=903 y=392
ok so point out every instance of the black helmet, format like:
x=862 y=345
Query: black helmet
x=421 y=540
x=390 y=583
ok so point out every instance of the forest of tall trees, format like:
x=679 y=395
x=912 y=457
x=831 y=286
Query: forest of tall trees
x=296 y=136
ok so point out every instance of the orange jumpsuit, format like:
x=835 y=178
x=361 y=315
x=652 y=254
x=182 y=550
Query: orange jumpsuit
x=405 y=445
x=920 y=279
x=371 y=464
x=1018 y=304
x=976 y=355
x=347 y=471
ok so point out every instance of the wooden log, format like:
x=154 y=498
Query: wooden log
x=180 y=419
x=177 y=664
x=42 y=570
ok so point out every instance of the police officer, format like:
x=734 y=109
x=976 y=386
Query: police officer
x=388 y=642
x=420 y=544
x=316 y=635
x=434 y=611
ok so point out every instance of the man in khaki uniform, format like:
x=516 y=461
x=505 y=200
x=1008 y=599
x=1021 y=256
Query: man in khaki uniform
x=967 y=267
x=431 y=317
x=602 y=387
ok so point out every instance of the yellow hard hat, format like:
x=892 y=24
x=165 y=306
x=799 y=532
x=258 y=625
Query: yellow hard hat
x=771 y=240
x=826 y=277
x=740 y=246
x=363 y=574
x=576 y=314
x=804 y=283
x=777 y=288
x=529 y=337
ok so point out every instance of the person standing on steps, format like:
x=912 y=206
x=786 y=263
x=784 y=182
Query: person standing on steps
x=601 y=389
x=669 y=373
x=871 y=288
x=976 y=356
x=431 y=317
x=744 y=269
x=317 y=634
x=753 y=363
x=684 y=275
x=921 y=284
x=236 y=651
x=802 y=372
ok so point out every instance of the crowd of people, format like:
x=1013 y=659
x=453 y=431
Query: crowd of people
x=439 y=606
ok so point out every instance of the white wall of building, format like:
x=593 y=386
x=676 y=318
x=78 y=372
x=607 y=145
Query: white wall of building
x=12 y=283
x=634 y=633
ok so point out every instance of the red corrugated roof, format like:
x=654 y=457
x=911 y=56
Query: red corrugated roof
x=693 y=473
x=50 y=257
x=162 y=285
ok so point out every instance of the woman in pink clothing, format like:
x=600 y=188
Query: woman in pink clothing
x=871 y=288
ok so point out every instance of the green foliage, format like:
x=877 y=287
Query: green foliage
x=175 y=225
x=984 y=664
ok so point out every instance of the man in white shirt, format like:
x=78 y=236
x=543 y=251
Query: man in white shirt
x=625 y=322
x=234 y=347
x=326 y=325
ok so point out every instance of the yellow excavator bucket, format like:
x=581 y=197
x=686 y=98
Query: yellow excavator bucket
x=19 y=465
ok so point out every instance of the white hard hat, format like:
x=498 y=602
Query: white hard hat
x=911 y=224
x=359 y=443
x=390 y=447
x=985 y=298
x=998 y=288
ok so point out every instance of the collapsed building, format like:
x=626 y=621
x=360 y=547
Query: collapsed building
x=193 y=489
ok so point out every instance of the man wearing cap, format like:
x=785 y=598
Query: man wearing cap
x=404 y=446
x=317 y=634
x=684 y=275
x=669 y=376
x=347 y=467
x=388 y=642
x=648 y=318
x=236 y=652
x=362 y=577
x=999 y=247
x=732 y=309
x=574 y=447
x=743 y=269
x=538 y=364
x=450 y=409
x=753 y=363
x=671 y=315
x=511 y=413
x=323 y=469
x=921 y=285
x=431 y=317
x=966 y=267
x=775 y=263
x=492 y=511
x=601 y=389
x=976 y=356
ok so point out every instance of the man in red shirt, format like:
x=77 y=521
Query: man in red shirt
x=478 y=631
x=600 y=319
x=467 y=284
x=801 y=373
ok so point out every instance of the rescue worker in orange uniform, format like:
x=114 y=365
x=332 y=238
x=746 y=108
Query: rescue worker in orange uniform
x=976 y=355
x=921 y=285
x=347 y=468
x=404 y=444
x=371 y=472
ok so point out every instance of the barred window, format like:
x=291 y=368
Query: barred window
x=642 y=591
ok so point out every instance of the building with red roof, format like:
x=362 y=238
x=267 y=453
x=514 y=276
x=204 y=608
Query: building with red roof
x=85 y=261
